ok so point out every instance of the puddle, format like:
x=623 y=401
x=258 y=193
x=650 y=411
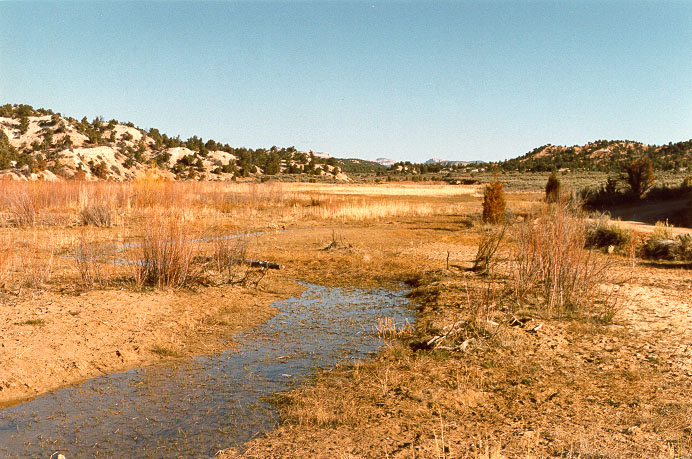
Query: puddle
x=196 y=407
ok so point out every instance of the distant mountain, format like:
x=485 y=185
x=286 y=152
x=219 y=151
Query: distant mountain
x=445 y=162
x=385 y=161
x=603 y=155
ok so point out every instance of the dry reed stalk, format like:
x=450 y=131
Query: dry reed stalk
x=229 y=258
x=164 y=258
x=488 y=245
x=91 y=271
x=6 y=259
x=359 y=210
x=22 y=208
x=37 y=267
x=549 y=260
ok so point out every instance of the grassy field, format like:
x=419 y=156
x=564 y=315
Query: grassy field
x=549 y=350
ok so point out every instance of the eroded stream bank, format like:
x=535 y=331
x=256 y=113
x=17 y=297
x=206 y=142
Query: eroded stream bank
x=196 y=407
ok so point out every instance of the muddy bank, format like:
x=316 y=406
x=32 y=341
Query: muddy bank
x=51 y=340
x=198 y=406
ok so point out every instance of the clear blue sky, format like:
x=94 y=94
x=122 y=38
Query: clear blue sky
x=400 y=79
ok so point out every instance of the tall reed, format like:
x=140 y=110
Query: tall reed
x=164 y=258
x=551 y=263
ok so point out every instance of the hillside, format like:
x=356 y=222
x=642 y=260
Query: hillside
x=602 y=155
x=40 y=144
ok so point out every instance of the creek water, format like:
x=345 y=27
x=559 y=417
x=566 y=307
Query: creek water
x=194 y=408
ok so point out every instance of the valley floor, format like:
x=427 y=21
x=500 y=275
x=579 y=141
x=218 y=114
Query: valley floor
x=579 y=387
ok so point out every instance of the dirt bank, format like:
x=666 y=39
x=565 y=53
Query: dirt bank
x=50 y=339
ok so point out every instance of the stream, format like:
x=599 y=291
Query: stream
x=196 y=407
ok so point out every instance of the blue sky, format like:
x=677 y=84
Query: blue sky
x=408 y=80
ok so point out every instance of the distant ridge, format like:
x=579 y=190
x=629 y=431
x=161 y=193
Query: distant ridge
x=602 y=155
x=39 y=144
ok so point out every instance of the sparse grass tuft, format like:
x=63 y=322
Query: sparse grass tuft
x=166 y=351
x=6 y=259
x=34 y=322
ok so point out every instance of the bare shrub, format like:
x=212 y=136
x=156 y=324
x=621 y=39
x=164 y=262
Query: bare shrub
x=229 y=258
x=490 y=241
x=164 y=258
x=91 y=271
x=99 y=214
x=22 y=208
x=550 y=261
x=494 y=202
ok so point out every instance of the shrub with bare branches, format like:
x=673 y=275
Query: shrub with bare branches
x=99 y=214
x=91 y=270
x=164 y=258
x=229 y=258
x=22 y=208
x=550 y=261
x=488 y=245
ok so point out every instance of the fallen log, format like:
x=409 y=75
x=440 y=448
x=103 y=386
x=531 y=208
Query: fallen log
x=263 y=264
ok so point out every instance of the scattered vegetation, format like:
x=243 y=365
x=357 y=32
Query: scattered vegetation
x=662 y=245
x=602 y=233
x=164 y=258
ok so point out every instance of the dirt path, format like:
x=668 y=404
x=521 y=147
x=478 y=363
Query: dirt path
x=658 y=310
x=651 y=212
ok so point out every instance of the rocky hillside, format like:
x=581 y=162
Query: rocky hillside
x=39 y=144
x=603 y=155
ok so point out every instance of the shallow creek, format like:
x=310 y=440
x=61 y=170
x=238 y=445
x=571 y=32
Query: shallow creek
x=196 y=407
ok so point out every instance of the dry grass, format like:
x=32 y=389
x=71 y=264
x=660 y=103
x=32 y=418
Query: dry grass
x=550 y=262
x=6 y=258
x=229 y=258
x=164 y=258
x=87 y=257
